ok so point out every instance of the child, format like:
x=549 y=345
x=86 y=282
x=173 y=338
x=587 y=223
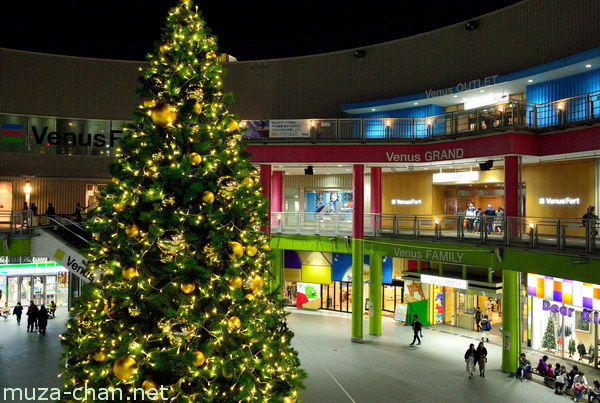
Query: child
x=560 y=381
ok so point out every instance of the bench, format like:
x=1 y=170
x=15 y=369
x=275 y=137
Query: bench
x=548 y=380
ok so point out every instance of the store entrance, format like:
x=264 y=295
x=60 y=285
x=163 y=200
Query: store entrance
x=458 y=197
x=41 y=289
x=337 y=296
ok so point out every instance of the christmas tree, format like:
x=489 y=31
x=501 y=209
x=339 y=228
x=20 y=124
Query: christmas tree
x=179 y=300
x=549 y=340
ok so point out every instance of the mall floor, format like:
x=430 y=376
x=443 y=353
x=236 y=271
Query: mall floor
x=383 y=369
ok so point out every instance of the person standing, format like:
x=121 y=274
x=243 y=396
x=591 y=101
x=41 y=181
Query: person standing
x=470 y=217
x=478 y=318
x=486 y=326
x=50 y=210
x=490 y=213
x=499 y=220
x=52 y=307
x=470 y=358
x=42 y=319
x=18 y=311
x=32 y=312
x=589 y=221
x=78 y=212
x=481 y=358
x=416 y=326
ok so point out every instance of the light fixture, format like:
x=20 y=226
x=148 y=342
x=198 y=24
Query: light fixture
x=560 y=106
x=27 y=188
x=471 y=25
x=532 y=224
x=529 y=81
x=388 y=123
x=429 y=122
x=340 y=165
x=416 y=103
x=587 y=66
x=455 y=96
x=481 y=90
x=373 y=109
x=359 y=53
x=312 y=123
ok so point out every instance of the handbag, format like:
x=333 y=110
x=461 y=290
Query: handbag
x=578 y=386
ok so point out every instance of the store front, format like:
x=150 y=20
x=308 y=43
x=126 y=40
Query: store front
x=564 y=316
x=37 y=282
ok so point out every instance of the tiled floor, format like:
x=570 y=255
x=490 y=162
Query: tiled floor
x=383 y=369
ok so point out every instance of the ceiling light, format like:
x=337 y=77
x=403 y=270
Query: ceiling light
x=416 y=103
x=340 y=165
x=529 y=81
x=456 y=96
x=587 y=66
x=481 y=90
x=372 y=109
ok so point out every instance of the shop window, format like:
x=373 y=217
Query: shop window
x=97 y=137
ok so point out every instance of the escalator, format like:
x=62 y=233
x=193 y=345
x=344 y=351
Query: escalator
x=63 y=241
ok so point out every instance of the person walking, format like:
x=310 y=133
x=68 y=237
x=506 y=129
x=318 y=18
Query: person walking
x=589 y=221
x=470 y=358
x=42 y=319
x=52 y=307
x=32 y=312
x=478 y=318
x=486 y=326
x=18 y=311
x=481 y=358
x=416 y=326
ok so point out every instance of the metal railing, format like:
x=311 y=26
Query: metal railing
x=513 y=114
x=24 y=223
x=532 y=232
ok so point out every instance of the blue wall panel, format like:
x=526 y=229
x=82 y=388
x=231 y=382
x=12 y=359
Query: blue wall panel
x=342 y=262
x=377 y=129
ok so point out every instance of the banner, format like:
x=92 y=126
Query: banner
x=289 y=128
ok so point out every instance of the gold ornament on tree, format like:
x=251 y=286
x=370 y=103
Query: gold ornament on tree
x=149 y=384
x=149 y=102
x=234 y=323
x=195 y=159
x=170 y=243
x=109 y=308
x=164 y=48
x=163 y=115
x=249 y=297
x=237 y=250
x=227 y=185
x=248 y=182
x=120 y=207
x=99 y=355
x=236 y=282
x=187 y=288
x=211 y=55
x=257 y=284
x=231 y=125
x=208 y=197
x=129 y=272
x=251 y=250
x=197 y=108
x=288 y=399
x=199 y=358
x=124 y=367
x=132 y=230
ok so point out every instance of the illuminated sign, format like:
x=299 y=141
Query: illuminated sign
x=552 y=201
x=464 y=86
x=467 y=176
x=445 y=281
x=586 y=314
x=407 y=202
x=435 y=155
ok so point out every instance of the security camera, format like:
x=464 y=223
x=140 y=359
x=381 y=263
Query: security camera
x=471 y=25
x=359 y=53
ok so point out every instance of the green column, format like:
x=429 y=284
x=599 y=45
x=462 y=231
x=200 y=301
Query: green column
x=357 y=290
x=375 y=299
x=277 y=270
x=511 y=323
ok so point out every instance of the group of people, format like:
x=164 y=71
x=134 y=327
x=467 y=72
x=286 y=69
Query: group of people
x=572 y=382
x=37 y=318
x=476 y=356
x=51 y=210
x=489 y=220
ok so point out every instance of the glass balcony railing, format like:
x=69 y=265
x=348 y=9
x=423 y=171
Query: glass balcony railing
x=511 y=115
x=568 y=234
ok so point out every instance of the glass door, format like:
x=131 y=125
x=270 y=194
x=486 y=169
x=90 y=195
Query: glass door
x=38 y=290
x=13 y=291
x=62 y=290
x=25 y=293
x=50 y=289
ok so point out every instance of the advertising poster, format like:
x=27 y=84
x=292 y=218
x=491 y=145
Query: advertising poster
x=400 y=312
x=413 y=291
x=256 y=129
x=306 y=293
x=289 y=128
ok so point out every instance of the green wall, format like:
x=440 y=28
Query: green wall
x=547 y=262
x=16 y=247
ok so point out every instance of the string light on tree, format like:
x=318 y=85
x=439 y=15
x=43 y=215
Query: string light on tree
x=182 y=302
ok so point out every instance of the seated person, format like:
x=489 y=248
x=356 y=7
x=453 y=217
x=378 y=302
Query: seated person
x=571 y=376
x=557 y=369
x=579 y=386
x=542 y=367
x=560 y=381
x=549 y=375
x=594 y=393
x=524 y=368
